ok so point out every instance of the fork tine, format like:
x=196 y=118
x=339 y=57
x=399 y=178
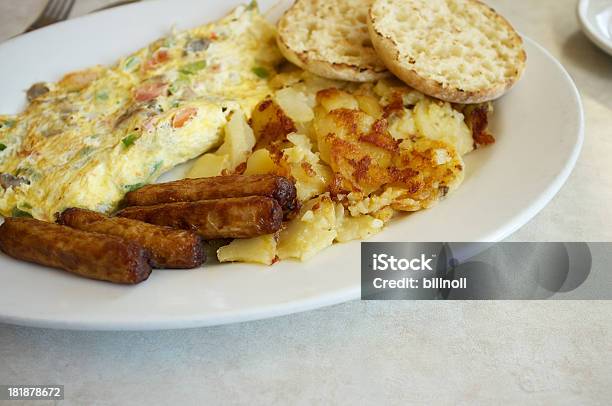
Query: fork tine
x=66 y=9
x=54 y=11
x=54 y=7
x=60 y=9
x=48 y=7
x=70 y=7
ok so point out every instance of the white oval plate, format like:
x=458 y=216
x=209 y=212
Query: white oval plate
x=539 y=130
x=595 y=17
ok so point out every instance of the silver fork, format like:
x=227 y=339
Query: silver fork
x=54 y=12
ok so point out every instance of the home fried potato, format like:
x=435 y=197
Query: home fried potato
x=357 y=154
x=261 y=250
x=365 y=157
x=259 y=163
x=236 y=148
x=270 y=125
x=313 y=230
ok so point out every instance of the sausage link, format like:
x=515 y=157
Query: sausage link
x=169 y=248
x=92 y=255
x=240 y=217
x=217 y=187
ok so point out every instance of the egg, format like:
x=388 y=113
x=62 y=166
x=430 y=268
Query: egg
x=98 y=133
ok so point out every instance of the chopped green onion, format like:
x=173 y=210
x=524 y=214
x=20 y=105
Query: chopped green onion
x=131 y=63
x=156 y=166
x=252 y=5
x=169 y=42
x=261 y=72
x=129 y=140
x=135 y=186
x=7 y=123
x=182 y=79
x=192 y=68
x=85 y=151
x=2 y=147
x=101 y=96
x=173 y=88
x=20 y=213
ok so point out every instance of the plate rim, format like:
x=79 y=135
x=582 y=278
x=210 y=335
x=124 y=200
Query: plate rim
x=555 y=186
x=589 y=30
x=350 y=292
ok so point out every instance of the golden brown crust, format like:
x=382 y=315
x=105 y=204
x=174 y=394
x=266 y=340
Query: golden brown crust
x=217 y=187
x=365 y=158
x=270 y=126
x=169 y=248
x=366 y=70
x=339 y=71
x=241 y=217
x=92 y=255
x=477 y=119
x=387 y=51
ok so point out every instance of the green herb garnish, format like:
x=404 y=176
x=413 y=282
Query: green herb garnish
x=2 y=147
x=20 y=213
x=169 y=42
x=131 y=63
x=135 y=186
x=130 y=139
x=252 y=5
x=101 y=96
x=156 y=166
x=7 y=123
x=85 y=151
x=173 y=88
x=192 y=68
x=182 y=79
x=261 y=72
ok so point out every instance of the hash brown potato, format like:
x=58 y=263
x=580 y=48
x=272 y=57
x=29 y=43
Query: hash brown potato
x=358 y=154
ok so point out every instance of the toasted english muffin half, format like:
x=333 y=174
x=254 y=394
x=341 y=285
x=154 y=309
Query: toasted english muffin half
x=459 y=51
x=330 y=39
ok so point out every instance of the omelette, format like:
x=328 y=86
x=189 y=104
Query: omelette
x=98 y=133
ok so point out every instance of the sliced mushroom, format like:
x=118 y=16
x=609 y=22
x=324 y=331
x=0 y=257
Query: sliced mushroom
x=7 y=180
x=197 y=45
x=128 y=114
x=51 y=132
x=36 y=90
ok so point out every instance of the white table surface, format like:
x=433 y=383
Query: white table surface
x=362 y=353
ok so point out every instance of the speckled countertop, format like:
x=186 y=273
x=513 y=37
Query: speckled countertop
x=377 y=352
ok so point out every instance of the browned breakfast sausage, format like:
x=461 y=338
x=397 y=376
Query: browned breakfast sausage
x=239 y=217
x=217 y=187
x=169 y=248
x=92 y=255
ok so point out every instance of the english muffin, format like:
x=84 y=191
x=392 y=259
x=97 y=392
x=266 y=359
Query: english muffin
x=459 y=51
